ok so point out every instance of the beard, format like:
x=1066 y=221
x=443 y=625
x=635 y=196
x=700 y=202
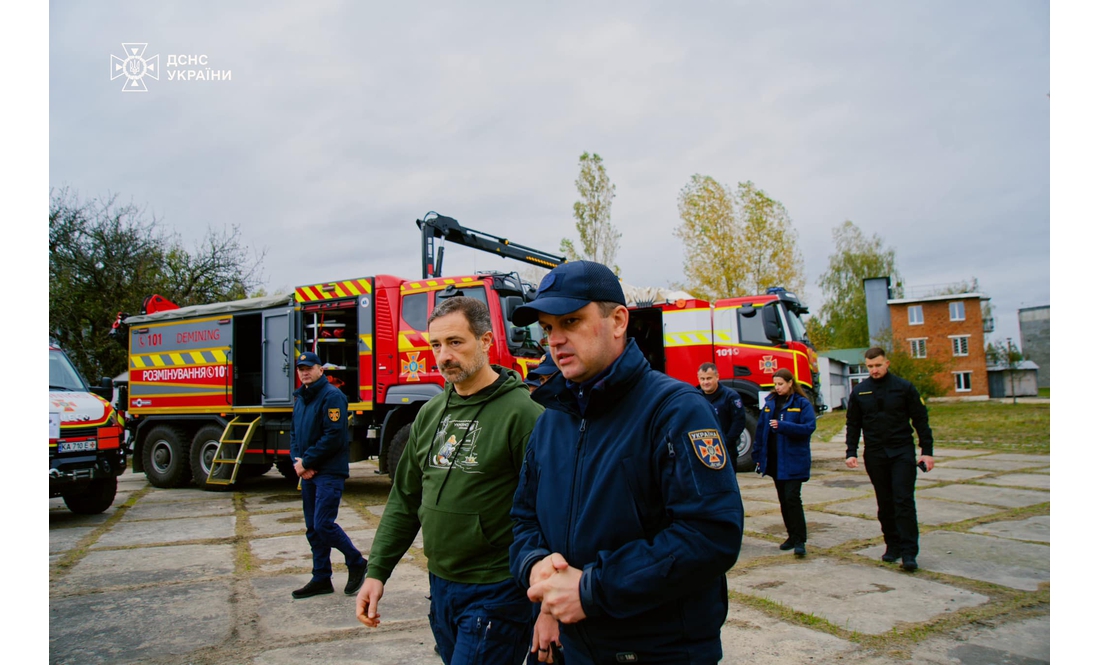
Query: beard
x=459 y=373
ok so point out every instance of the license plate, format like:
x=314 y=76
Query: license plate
x=75 y=446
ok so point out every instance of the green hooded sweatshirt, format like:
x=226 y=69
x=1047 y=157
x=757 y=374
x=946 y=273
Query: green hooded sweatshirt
x=456 y=480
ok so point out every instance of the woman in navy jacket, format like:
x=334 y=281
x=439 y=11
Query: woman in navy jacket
x=782 y=450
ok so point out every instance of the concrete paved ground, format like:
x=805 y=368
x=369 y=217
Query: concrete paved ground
x=185 y=576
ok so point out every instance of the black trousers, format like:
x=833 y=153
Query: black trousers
x=894 y=479
x=790 y=502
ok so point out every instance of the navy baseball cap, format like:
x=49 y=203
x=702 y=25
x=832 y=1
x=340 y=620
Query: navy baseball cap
x=308 y=359
x=545 y=368
x=570 y=287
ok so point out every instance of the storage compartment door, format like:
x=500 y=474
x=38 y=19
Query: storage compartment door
x=278 y=380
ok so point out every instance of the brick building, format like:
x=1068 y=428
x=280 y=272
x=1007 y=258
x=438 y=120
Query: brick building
x=951 y=329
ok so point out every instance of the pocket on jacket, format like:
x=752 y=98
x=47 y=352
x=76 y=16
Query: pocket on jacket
x=454 y=537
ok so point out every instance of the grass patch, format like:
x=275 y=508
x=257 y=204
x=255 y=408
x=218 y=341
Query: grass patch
x=1044 y=392
x=1019 y=428
x=829 y=425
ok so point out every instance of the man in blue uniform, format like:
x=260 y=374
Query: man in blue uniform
x=627 y=515
x=726 y=404
x=319 y=447
x=882 y=407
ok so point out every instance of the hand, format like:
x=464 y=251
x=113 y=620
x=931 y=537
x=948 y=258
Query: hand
x=928 y=461
x=366 y=603
x=852 y=462
x=560 y=595
x=544 y=569
x=298 y=468
x=546 y=633
x=309 y=473
x=774 y=424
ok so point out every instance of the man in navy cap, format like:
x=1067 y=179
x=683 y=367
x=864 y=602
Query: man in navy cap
x=319 y=447
x=542 y=373
x=627 y=515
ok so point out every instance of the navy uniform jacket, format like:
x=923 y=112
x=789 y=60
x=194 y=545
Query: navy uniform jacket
x=319 y=431
x=797 y=421
x=730 y=412
x=637 y=490
x=883 y=409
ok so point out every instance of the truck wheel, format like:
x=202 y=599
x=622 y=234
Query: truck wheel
x=203 y=447
x=166 y=457
x=744 y=444
x=96 y=497
x=286 y=467
x=397 y=448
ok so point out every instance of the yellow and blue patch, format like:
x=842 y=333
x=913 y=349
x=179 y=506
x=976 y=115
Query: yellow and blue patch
x=707 y=444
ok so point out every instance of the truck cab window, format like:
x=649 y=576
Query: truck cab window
x=414 y=309
x=751 y=329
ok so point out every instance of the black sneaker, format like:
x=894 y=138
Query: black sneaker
x=800 y=549
x=355 y=579
x=890 y=556
x=908 y=562
x=787 y=545
x=314 y=588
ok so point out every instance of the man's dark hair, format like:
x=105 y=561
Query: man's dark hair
x=708 y=367
x=874 y=352
x=475 y=311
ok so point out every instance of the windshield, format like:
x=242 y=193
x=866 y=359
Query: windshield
x=798 y=331
x=63 y=376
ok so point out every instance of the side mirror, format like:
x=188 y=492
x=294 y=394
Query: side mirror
x=517 y=335
x=105 y=389
x=772 y=329
x=747 y=311
x=509 y=305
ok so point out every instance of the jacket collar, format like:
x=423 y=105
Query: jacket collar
x=607 y=388
x=309 y=392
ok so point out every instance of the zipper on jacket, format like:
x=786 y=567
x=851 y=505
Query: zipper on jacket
x=573 y=492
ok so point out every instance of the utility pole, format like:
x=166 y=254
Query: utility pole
x=1011 y=370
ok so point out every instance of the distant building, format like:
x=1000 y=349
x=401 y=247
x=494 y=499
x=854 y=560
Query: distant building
x=840 y=371
x=1019 y=381
x=948 y=327
x=1035 y=339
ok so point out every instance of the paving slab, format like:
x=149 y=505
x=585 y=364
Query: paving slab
x=182 y=494
x=958 y=452
x=811 y=493
x=991 y=464
x=750 y=636
x=283 y=616
x=159 y=510
x=993 y=496
x=929 y=511
x=824 y=530
x=828 y=453
x=751 y=481
x=149 y=564
x=977 y=557
x=1038 y=481
x=941 y=473
x=283 y=553
x=1035 y=529
x=413 y=647
x=759 y=507
x=851 y=481
x=1024 y=641
x=758 y=548
x=1039 y=460
x=268 y=524
x=62 y=518
x=63 y=540
x=290 y=500
x=153 y=532
x=136 y=626
x=861 y=598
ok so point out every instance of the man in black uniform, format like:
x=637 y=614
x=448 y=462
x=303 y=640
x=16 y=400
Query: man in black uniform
x=725 y=402
x=883 y=407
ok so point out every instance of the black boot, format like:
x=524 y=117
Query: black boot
x=314 y=588
x=355 y=579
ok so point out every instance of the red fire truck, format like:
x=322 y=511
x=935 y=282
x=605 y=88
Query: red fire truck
x=209 y=395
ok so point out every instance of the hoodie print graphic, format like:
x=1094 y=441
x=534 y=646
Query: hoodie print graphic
x=456 y=437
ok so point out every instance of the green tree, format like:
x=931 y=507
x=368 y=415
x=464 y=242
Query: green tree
x=843 y=315
x=736 y=244
x=598 y=238
x=106 y=257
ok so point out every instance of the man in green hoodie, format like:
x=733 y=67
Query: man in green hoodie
x=456 y=480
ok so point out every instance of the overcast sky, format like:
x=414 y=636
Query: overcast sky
x=927 y=123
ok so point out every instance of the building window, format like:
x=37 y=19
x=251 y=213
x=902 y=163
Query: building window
x=916 y=315
x=960 y=345
x=958 y=312
x=918 y=348
x=962 y=382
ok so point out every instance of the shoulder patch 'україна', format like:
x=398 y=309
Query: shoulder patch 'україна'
x=707 y=444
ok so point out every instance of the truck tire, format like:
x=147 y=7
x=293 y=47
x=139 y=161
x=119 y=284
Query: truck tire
x=203 y=446
x=397 y=448
x=94 y=498
x=166 y=455
x=744 y=444
x=286 y=467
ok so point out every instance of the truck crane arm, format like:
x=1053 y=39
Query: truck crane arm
x=435 y=226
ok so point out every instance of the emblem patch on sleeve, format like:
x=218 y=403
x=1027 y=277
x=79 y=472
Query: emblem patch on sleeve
x=707 y=444
x=334 y=415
